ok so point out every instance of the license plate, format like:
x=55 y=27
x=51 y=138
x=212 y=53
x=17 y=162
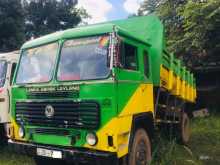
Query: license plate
x=49 y=153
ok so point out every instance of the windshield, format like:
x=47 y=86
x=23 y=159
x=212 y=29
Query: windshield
x=3 y=70
x=83 y=59
x=37 y=64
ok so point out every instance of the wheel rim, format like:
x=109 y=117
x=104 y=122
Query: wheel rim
x=141 y=154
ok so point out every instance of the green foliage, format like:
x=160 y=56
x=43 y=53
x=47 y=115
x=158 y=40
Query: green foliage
x=192 y=29
x=11 y=25
x=46 y=16
x=149 y=6
x=201 y=29
x=23 y=19
x=173 y=22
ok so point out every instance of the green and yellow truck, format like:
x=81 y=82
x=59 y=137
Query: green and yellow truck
x=96 y=93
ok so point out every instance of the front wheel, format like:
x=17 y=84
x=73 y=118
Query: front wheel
x=140 y=149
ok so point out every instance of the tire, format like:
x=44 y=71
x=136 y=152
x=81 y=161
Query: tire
x=46 y=161
x=3 y=138
x=184 y=128
x=140 y=153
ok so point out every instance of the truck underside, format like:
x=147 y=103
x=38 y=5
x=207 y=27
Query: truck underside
x=3 y=137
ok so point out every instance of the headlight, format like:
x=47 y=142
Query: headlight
x=21 y=132
x=91 y=139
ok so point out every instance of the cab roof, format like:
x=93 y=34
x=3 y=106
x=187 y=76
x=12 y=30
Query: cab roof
x=139 y=28
x=10 y=55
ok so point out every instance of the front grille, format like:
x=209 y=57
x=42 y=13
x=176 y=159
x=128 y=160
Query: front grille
x=67 y=114
x=50 y=131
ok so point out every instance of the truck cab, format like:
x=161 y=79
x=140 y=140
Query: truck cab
x=8 y=63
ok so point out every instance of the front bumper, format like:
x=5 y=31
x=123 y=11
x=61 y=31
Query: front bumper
x=77 y=155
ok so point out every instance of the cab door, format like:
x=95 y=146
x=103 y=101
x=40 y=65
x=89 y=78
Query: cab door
x=147 y=86
x=129 y=78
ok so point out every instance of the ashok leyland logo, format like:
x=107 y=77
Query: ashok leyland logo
x=49 y=111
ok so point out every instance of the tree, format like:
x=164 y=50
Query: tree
x=173 y=23
x=149 y=6
x=201 y=29
x=167 y=10
x=192 y=29
x=46 y=16
x=11 y=25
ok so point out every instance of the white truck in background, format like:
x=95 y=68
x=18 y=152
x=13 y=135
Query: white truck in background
x=8 y=63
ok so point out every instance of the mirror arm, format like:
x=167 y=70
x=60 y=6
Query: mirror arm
x=114 y=49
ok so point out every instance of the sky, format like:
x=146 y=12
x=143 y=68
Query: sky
x=106 y=10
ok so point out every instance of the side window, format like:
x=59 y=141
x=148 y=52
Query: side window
x=146 y=64
x=12 y=72
x=129 y=56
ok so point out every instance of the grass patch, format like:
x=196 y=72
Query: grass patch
x=9 y=158
x=203 y=148
x=206 y=139
x=170 y=153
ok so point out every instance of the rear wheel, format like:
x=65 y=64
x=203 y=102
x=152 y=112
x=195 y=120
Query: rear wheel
x=184 y=129
x=140 y=149
x=179 y=131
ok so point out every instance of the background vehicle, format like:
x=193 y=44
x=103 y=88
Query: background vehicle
x=96 y=92
x=7 y=67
